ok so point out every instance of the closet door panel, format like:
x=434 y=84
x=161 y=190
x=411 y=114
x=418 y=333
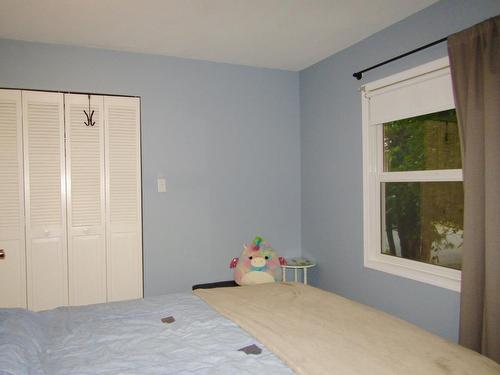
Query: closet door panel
x=12 y=274
x=87 y=270
x=12 y=262
x=47 y=266
x=45 y=199
x=86 y=200
x=125 y=268
x=123 y=192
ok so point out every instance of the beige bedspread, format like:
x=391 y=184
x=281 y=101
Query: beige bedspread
x=318 y=332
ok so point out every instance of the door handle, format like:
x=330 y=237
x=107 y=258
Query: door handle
x=2 y=253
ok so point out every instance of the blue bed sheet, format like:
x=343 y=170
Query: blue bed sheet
x=129 y=338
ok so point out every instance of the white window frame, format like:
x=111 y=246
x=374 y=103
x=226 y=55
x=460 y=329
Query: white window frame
x=374 y=175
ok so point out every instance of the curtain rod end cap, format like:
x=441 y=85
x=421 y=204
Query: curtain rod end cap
x=358 y=75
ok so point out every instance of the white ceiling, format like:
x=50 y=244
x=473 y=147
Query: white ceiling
x=283 y=34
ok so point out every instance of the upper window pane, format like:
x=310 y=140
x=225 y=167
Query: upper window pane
x=427 y=142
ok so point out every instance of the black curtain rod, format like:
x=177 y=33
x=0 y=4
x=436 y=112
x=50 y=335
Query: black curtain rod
x=359 y=75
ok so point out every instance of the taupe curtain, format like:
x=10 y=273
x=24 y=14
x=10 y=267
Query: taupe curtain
x=474 y=60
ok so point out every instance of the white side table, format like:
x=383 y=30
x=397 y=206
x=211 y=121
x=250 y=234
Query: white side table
x=296 y=268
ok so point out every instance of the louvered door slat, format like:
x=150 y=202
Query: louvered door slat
x=12 y=266
x=43 y=130
x=86 y=205
x=123 y=204
x=44 y=164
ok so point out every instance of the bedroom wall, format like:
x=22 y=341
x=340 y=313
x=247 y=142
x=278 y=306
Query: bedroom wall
x=225 y=137
x=332 y=214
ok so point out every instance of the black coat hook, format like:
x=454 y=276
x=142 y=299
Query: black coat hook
x=89 y=115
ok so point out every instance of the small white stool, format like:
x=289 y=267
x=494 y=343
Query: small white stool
x=296 y=268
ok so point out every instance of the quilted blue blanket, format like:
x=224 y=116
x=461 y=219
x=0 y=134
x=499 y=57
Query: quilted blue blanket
x=130 y=338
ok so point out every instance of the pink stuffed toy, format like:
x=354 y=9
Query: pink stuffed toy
x=257 y=264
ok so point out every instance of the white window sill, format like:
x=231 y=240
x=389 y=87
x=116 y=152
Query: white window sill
x=427 y=273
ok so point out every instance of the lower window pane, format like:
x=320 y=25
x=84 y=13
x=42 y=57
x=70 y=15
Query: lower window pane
x=423 y=221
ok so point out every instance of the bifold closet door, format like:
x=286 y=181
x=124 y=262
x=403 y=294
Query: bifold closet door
x=123 y=198
x=12 y=247
x=45 y=199
x=85 y=199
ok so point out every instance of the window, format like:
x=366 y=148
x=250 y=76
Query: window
x=413 y=190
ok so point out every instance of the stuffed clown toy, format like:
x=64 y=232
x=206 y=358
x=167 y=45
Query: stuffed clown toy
x=257 y=264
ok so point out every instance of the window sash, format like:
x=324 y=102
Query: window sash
x=429 y=175
x=422 y=176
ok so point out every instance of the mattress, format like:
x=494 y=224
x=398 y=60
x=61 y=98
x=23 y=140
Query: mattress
x=130 y=338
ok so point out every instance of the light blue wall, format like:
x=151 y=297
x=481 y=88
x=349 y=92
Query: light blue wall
x=332 y=215
x=225 y=137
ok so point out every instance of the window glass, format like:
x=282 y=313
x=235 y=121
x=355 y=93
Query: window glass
x=427 y=142
x=423 y=221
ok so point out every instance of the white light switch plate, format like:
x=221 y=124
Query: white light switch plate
x=162 y=185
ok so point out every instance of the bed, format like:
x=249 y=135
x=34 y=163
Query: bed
x=300 y=329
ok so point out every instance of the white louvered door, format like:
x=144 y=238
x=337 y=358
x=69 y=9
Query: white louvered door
x=70 y=200
x=12 y=244
x=123 y=192
x=45 y=199
x=85 y=200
